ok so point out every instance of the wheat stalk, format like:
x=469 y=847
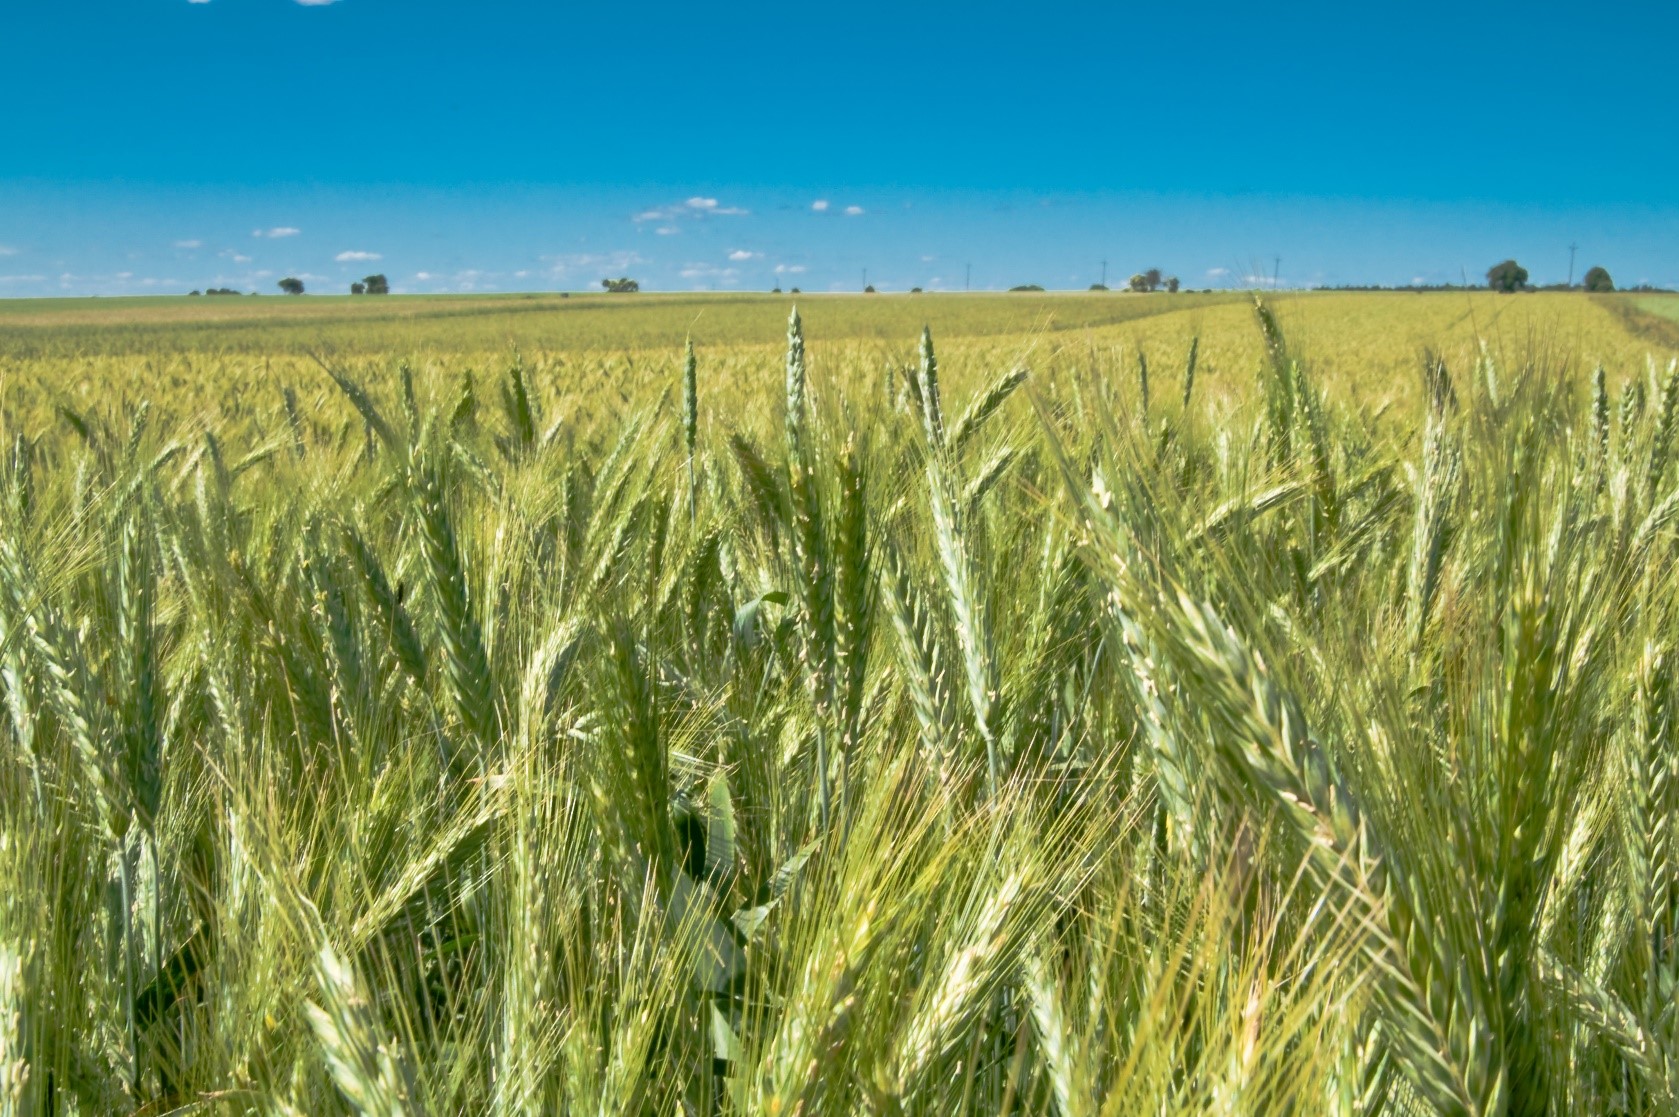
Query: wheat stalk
x=810 y=550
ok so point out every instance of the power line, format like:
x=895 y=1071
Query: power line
x=1571 y=250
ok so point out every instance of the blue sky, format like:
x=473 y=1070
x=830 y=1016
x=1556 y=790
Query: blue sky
x=160 y=145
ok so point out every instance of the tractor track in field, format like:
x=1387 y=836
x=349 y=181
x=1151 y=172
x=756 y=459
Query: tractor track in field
x=1641 y=323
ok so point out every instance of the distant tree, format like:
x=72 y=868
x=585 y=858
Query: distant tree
x=776 y=290
x=1172 y=284
x=1137 y=283
x=794 y=291
x=291 y=286
x=1598 y=280
x=358 y=288
x=376 y=285
x=1098 y=286
x=1152 y=278
x=869 y=290
x=1507 y=276
x=1027 y=287
x=915 y=290
x=621 y=286
x=193 y=292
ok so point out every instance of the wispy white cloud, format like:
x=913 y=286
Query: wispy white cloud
x=695 y=207
x=667 y=230
x=7 y=250
x=277 y=231
x=740 y=254
x=316 y=3
x=357 y=257
x=725 y=276
x=189 y=244
x=589 y=265
x=710 y=206
x=23 y=279
x=789 y=269
x=823 y=205
x=1217 y=273
x=465 y=281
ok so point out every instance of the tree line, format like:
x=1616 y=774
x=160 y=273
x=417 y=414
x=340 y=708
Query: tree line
x=1508 y=276
x=371 y=285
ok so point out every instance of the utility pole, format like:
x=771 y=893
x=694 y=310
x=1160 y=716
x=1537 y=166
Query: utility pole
x=1104 y=273
x=1571 y=251
x=1276 y=272
x=865 y=279
x=967 y=278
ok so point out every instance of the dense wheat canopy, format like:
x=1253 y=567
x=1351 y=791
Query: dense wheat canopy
x=1197 y=709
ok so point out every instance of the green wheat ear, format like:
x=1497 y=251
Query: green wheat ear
x=690 y=422
x=927 y=375
x=14 y=1061
x=471 y=686
x=1600 y=422
x=1189 y=369
x=981 y=410
x=690 y=398
x=345 y=1026
x=22 y=478
x=1661 y=438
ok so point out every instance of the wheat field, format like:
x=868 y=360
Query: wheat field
x=1205 y=705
